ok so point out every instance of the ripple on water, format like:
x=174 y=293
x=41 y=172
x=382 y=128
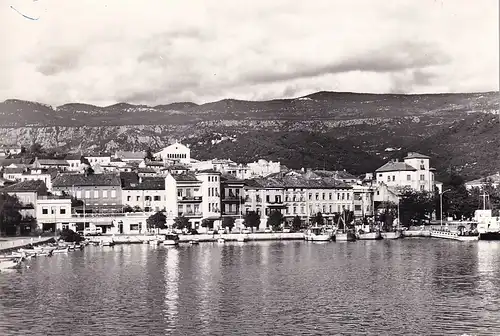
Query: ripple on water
x=407 y=287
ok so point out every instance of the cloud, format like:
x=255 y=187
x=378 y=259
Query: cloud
x=155 y=51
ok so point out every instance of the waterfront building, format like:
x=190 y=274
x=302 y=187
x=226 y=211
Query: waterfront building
x=232 y=198
x=298 y=193
x=414 y=172
x=193 y=195
x=177 y=153
x=53 y=212
x=28 y=193
x=147 y=194
x=99 y=192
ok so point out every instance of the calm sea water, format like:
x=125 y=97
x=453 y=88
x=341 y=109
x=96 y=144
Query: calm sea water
x=404 y=287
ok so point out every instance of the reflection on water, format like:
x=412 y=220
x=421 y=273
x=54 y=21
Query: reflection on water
x=404 y=287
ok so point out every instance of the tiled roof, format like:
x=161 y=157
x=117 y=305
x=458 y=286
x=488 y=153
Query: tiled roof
x=395 y=166
x=86 y=180
x=208 y=171
x=13 y=170
x=27 y=186
x=414 y=155
x=128 y=178
x=299 y=180
x=53 y=162
x=146 y=170
x=154 y=164
x=176 y=167
x=148 y=183
x=7 y=162
x=73 y=157
x=185 y=177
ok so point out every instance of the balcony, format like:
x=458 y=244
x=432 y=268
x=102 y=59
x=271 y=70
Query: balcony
x=233 y=199
x=190 y=214
x=189 y=199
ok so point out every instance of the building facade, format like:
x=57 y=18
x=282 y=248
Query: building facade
x=176 y=152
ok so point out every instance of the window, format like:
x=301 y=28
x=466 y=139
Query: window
x=104 y=193
x=294 y=209
x=357 y=207
x=378 y=192
x=348 y=196
x=129 y=198
x=388 y=178
x=87 y=193
x=317 y=196
x=96 y=193
x=134 y=227
x=138 y=198
x=310 y=196
x=408 y=177
x=157 y=198
x=62 y=211
x=422 y=177
x=45 y=211
x=330 y=196
x=113 y=193
x=393 y=178
x=422 y=188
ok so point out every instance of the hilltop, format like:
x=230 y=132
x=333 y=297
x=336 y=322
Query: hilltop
x=356 y=131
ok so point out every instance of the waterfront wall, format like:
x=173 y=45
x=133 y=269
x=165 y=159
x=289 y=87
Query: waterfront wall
x=417 y=233
x=17 y=243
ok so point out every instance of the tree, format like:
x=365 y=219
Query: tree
x=228 y=222
x=137 y=208
x=318 y=219
x=415 y=206
x=182 y=223
x=10 y=218
x=275 y=220
x=207 y=223
x=36 y=149
x=70 y=236
x=296 y=223
x=127 y=208
x=251 y=219
x=149 y=155
x=156 y=221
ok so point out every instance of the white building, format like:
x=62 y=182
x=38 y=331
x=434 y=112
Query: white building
x=100 y=159
x=414 y=172
x=264 y=168
x=176 y=152
x=493 y=180
x=149 y=194
x=193 y=195
x=54 y=212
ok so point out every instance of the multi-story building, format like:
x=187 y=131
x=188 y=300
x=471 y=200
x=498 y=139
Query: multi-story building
x=42 y=174
x=176 y=152
x=149 y=194
x=413 y=172
x=184 y=197
x=263 y=167
x=493 y=180
x=54 y=213
x=74 y=162
x=99 y=192
x=298 y=193
x=232 y=196
x=61 y=165
x=103 y=159
x=193 y=195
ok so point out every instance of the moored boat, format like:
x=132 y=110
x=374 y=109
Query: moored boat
x=242 y=239
x=170 y=240
x=396 y=234
x=10 y=263
x=459 y=234
x=345 y=236
x=488 y=226
x=317 y=234
x=221 y=240
x=373 y=235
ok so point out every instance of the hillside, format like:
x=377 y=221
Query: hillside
x=357 y=132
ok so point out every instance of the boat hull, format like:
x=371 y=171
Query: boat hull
x=369 y=236
x=392 y=235
x=318 y=238
x=345 y=237
x=453 y=236
x=489 y=236
x=169 y=242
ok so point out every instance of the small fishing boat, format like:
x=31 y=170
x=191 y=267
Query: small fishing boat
x=458 y=234
x=154 y=242
x=171 y=240
x=194 y=242
x=109 y=242
x=396 y=234
x=61 y=250
x=10 y=263
x=317 y=234
x=345 y=236
x=221 y=240
x=372 y=235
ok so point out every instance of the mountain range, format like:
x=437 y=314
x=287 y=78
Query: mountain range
x=353 y=131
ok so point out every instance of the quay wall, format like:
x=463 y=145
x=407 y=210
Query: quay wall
x=15 y=244
x=417 y=233
x=138 y=239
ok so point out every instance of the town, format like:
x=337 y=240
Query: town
x=117 y=193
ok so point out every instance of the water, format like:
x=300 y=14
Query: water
x=404 y=287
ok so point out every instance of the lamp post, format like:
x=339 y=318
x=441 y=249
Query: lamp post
x=441 y=205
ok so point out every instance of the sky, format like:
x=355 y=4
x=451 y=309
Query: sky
x=160 y=51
